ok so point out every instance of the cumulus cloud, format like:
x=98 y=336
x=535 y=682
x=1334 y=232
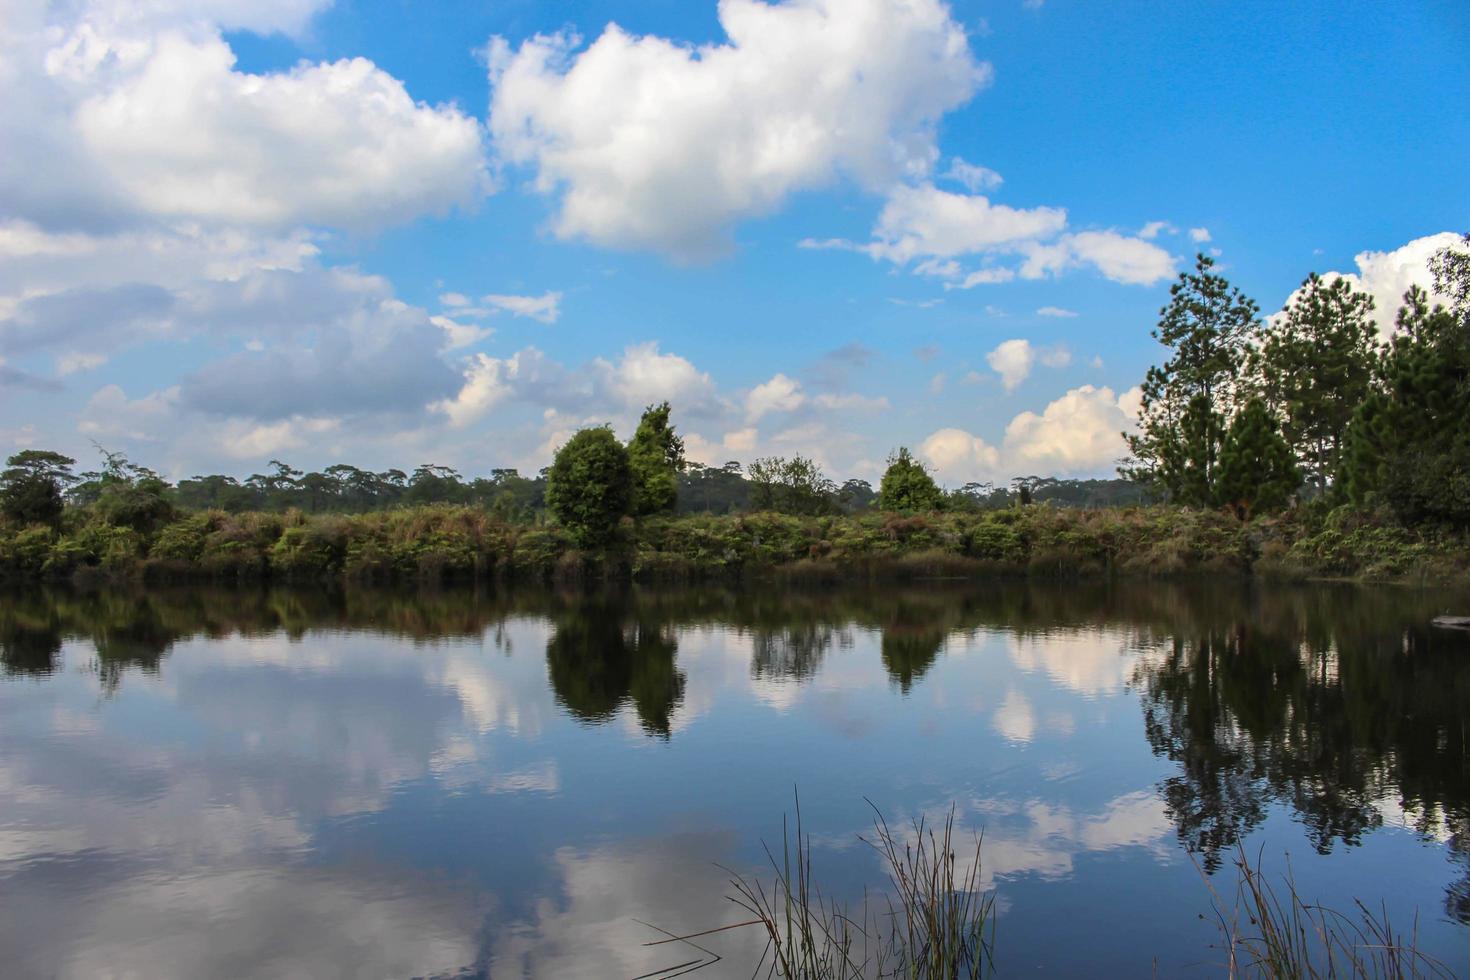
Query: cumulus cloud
x=959 y=457
x=1078 y=432
x=780 y=394
x=1013 y=360
x=658 y=145
x=1200 y=235
x=1154 y=228
x=1386 y=276
x=120 y=113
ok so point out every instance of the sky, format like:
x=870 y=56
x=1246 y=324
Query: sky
x=389 y=233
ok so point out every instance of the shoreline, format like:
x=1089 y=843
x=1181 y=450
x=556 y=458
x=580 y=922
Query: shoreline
x=439 y=543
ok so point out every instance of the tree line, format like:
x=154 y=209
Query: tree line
x=1252 y=414
x=1245 y=414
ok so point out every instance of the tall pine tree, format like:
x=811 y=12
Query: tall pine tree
x=1188 y=399
x=1314 y=364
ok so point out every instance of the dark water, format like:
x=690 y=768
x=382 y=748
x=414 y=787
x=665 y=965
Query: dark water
x=209 y=784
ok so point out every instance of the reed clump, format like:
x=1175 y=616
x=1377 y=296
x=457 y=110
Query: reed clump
x=1277 y=934
x=935 y=920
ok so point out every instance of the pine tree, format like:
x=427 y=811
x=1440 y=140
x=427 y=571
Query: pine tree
x=1187 y=399
x=1258 y=471
x=1314 y=365
x=1409 y=444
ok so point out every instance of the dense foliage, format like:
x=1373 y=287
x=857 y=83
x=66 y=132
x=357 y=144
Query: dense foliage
x=656 y=455
x=590 y=486
x=1253 y=414
x=907 y=486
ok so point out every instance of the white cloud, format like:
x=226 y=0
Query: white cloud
x=926 y=221
x=959 y=457
x=546 y=307
x=121 y=112
x=1386 y=276
x=935 y=228
x=780 y=394
x=1078 y=432
x=645 y=376
x=1055 y=311
x=486 y=385
x=1012 y=360
x=456 y=334
x=1118 y=257
x=1154 y=228
x=664 y=146
x=974 y=178
x=340 y=144
x=1200 y=235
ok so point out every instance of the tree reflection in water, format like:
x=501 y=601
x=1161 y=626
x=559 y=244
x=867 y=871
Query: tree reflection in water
x=1337 y=703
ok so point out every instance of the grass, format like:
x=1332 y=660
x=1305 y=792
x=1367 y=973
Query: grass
x=937 y=922
x=1279 y=935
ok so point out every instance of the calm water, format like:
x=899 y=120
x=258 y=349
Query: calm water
x=200 y=783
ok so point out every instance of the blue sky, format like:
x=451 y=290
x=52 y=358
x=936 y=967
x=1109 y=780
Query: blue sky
x=389 y=233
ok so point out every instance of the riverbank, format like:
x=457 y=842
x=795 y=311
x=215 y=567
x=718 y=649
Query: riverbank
x=445 y=543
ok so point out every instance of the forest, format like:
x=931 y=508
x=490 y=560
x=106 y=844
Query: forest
x=1302 y=442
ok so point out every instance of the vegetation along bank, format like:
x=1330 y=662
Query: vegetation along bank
x=1299 y=445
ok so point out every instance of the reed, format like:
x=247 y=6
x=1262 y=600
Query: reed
x=935 y=922
x=1271 y=933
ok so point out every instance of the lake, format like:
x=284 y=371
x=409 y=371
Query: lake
x=200 y=783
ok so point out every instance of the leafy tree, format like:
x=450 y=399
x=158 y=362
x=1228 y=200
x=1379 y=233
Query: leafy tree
x=792 y=486
x=129 y=495
x=907 y=486
x=1409 y=445
x=656 y=455
x=1257 y=469
x=1187 y=399
x=713 y=489
x=856 y=495
x=590 y=485
x=1314 y=365
x=32 y=484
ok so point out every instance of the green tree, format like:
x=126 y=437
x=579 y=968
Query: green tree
x=1257 y=471
x=656 y=455
x=32 y=484
x=907 y=485
x=1314 y=365
x=590 y=485
x=1408 y=445
x=1187 y=399
x=792 y=486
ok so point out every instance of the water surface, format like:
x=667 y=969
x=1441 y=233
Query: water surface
x=227 y=783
